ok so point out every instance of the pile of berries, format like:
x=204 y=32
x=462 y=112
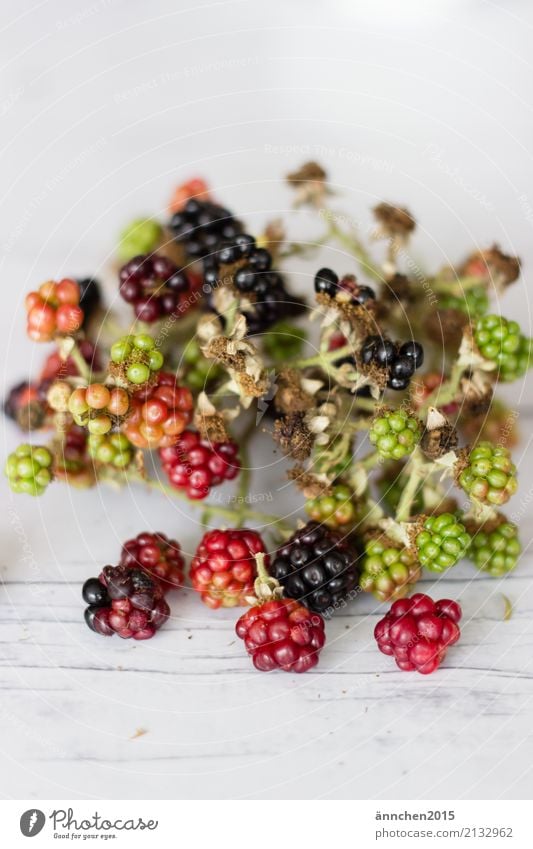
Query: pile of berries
x=200 y=225
x=28 y=469
x=399 y=361
x=417 y=632
x=490 y=474
x=442 y=542
x=159 y=413
x=124 y=601
x=155 y=287
x=196 y=465
x=344 y=290
x=136 y=360
x=157 y=555
x=395 y=433
x=501 y=341
x=98 y=407
x=282 y=634
x=388 y=572
x=223 y=569
x=112 y=449
x=317 y=566
x=495 y=549
x=336 y=510
x=54 y=309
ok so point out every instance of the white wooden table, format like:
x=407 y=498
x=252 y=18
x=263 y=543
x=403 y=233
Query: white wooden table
x=97 y=134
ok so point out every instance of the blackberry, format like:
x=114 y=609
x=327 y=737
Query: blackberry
x=495 y=549
x=249 y=269
x=442 y=542
x=141 y=236
x=155 y=287
x=346 y=290
x=125 y=601
x=201 y=225
x=501 y=341
x=490 y=476
x=317 y=566
x=395 y=433
x=400 y=361
x=388 y=572
x=474 y=302
x=28 y=469
x=26 y=404
x=90 y=298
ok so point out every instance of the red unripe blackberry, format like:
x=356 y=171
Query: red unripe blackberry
x=317 y=566
x=223 y=569
x=159 y=413
x=195 y=465
x=156 y=554
x=282 y=634
x=155 y=287
x=417 y=632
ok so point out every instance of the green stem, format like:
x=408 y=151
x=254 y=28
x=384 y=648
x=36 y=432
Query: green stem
x=79 y=361
x=446 y=392
x=355 y=247
x=324 y=358
x=418 y=470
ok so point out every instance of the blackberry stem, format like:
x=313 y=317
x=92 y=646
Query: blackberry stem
x=324 y=358
x=416 y=475
x=79 y=361
x=353 y=245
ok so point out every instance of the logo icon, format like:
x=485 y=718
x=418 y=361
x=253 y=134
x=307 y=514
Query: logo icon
x=32 y=822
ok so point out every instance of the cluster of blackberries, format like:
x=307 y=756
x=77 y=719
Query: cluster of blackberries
x=201 y=225
x=345 y=289
x=317 y=566
x=401 y=361
x=254 y=277
x=154 y=286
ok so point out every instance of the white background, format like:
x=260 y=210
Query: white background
x=104 y=107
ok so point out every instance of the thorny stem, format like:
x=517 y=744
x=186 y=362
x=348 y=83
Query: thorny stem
x=416 y=475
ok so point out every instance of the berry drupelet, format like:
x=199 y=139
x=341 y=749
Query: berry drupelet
x=317 y=566
x=417 y=632
x=282 y=634
x=501 y=341
x=344 y=290
x=442 y=542
x=124 y=601
x=159 y=413
x=200 y=225
x=400 y=361
x=388 y=572
x=155 y=287
x=395 y=433
x=496 y=548
x=28 y=469
x=223 y=569
x=490 y=475
x=157 y=555
x=336 y=510
x=195 y=465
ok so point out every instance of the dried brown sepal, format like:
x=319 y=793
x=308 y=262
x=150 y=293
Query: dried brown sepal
x=293 y=436
x=446 y=326
x=439 y=436
x=394 y=220
x=211 y=427
x=493 y=263
x=312 y=486
x=290 y=397
x=488 y=526
x=308 y=171
x=399 y=287
x=362 y=319
x=461 y=463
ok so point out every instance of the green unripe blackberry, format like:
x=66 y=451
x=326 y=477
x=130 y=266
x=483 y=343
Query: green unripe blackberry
x=113 y=449
x=141 y=236
x=284 y=342
x=136 y=359
x=490 y=476
x=501 y=341
x=442 y=543
x=336 y=510
x=496 y=551
x=199 y=372
x=474 y=302
x=395 y=433
x=388 y=573
x=28 y=469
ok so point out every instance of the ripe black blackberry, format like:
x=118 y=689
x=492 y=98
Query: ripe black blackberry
x=252 y=275
x=345 y=289
x=201 y=225
x=401 y=361
x=90 y=297
x=317 y=566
